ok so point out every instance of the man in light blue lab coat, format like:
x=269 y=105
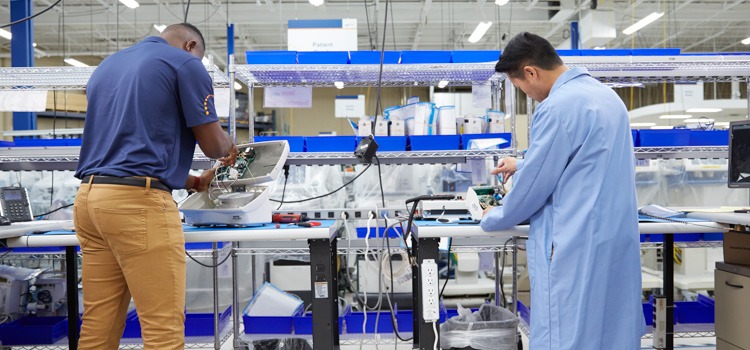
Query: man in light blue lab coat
x=577 y=187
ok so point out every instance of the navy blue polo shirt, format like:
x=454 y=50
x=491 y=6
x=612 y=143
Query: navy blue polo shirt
x=142 y=102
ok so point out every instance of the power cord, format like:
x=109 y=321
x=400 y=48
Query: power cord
x=207 y=265
x=52 y=211
x=327 y=194
x=32 y=16
x=283 y=191
x=380 y=178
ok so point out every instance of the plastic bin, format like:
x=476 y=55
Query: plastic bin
x=712 y=236
x=524 y=312
x=389 y=143
x=606 y=52
x=709 y=137
x=472 y=56
x=202 y=324
x=410 y=57
x=656 y=138
x=373 y=57
x=466 y=138
x=569 y=52
x=132 y=326
x=700 y=311
x=330 y=143
x=490 y=328
x=32 y=330
x=202 y=245
x=434 y=142
x=355 y=320
x=655 y=52
x=271 y=57
x=648 y=313
x=27 y=142
x=323 y=57
x=636 y=139
x=267 y=324
x=296 y=143
x=362 y=232
x=303 y=324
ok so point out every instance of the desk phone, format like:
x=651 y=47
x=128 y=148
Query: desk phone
x=14 y=204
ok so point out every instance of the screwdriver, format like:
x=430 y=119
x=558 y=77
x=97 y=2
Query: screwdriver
x=288 y=218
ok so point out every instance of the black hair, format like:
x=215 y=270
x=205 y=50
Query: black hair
x=190 y=28
x=526 y=49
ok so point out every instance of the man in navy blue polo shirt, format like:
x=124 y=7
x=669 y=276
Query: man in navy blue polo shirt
x=147 y=106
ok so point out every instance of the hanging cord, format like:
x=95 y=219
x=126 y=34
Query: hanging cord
x=380 y=74
x=32 y=16
x=187 y=10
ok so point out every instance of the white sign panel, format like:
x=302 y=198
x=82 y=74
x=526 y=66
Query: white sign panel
x=23 y=101
x=221 y=101
x=350 y=106
x=481 y=96
x=322 y=35
x=287 y=97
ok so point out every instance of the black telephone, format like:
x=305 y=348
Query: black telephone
x=15 y=204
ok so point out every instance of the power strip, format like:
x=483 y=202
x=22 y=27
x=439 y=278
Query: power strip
x=430 y=299
x=351 y=214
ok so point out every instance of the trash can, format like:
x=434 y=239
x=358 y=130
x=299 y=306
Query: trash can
x=489 y=328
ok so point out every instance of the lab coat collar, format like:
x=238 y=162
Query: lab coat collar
x=569 y=75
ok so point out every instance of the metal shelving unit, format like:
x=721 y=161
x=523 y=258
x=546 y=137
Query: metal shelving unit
x=688 y=152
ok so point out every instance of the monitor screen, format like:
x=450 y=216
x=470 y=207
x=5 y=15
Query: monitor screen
x=739 y=154
x=12 y=195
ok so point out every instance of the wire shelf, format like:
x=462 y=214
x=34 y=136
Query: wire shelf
x=402 y=157
x=695 y=244
x=688 y=152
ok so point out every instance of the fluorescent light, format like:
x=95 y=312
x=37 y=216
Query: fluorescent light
x=479 y=31
x=642 y=23
x=74 y=62
x=662 y=127
x=642 y=124
x=130 y=3
x=746 y=41
x=600 y=48
x=160 y=27
x=703 y=110
x=501 y=2
x=205 y=60
x=721 y=124
x=338 y=84
x=316 y=3
x=237 y=86
x=699 y=120
x=5 y=34
x=33 y=44
x=442 y=84
x=675 y=116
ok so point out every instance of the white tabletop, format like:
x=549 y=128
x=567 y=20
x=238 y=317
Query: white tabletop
x=724 y=218
x=456 y=230
x=17 y=229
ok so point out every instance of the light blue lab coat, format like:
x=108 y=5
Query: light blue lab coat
x=577 y=187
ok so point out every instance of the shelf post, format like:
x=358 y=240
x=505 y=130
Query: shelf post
x=22 y=53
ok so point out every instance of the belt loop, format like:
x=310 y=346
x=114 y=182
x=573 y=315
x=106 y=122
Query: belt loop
x=148 y=184
x=91 y=181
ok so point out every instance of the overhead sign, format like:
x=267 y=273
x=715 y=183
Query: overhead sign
x=322 y=35
x=350 y=106
x=287 y=97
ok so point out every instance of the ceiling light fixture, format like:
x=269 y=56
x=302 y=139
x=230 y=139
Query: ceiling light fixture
x=316 y=3
x=442 y=84
x=703 y=110
x=5 y=34
x=721 y=124
x=662 y=127
x=746 y=41
x=74 y=62
x=642 y=23
x=479 y=31
x=237 y=86
x=699 y=120
x=338 y=84
x=130 y=3
x=641 y=124
x=675 y=116
x=501 y=2
x=160 y=27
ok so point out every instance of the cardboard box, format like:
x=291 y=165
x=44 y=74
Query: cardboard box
x=737 y=247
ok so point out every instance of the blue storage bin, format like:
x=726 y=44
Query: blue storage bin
x=636 y=140
x=389 y=143
x=405 y=320
x=132 y=326
x=687 y=237
x=373 y=57
x=202 y=324
x=34 y=250
x=271 y=57
x=32 y=330
x=644 y=237
x=674 y=137
x=267 y=324
x=655 y=237
x=6 y=144
x=323 y=57
x=466 y=138
x=355 y=320
x=303 y=324
x=470 y=56
x=330 y=143
x=26 y=142
x=569 y=52
x=414 y=57
x=362 y=232
x=524 y=312
x=606 y=52
x=655 y=52
x=434 y=142
x=709 y=138
x=296 y=143
x=712 y=236
x=648 y=313
x=203 y=245
x=701 y=311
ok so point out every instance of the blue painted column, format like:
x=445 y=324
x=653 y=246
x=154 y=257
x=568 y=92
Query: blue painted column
x=230 y=41
x=574 y=35
x=22 y=53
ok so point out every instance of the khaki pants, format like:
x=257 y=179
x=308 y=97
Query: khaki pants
x=133 y=244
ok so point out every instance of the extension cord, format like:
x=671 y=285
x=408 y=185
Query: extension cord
x=430 y=298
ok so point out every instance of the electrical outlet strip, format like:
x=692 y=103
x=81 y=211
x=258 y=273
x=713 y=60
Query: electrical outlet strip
x=430 y=299
x=351 y=214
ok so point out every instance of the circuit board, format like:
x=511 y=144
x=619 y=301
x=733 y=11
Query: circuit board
x=240 y=167
x=489 y=196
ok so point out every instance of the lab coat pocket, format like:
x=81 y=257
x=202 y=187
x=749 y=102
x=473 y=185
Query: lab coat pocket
x=124 y=229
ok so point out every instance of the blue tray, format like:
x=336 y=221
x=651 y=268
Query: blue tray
x=355 y=320
x=466 y=138
x=389 y=143
x=330 y=143
x=709 y=138
x=373 y=57
x=323 y=57
x=701 y=311
x=267 y=324
x=656 y=138
x=434 y=142
x=303 y=324
x=410 y=57
x=271 y=57
x=472 y=56
x=202 y=324
x=362 y=232
x=32 y=330
x=296 y=143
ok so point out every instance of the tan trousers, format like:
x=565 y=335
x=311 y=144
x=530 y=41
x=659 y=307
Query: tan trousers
x=132 y=243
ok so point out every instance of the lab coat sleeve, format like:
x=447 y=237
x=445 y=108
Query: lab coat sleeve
x=519 y=164
x=538 y=175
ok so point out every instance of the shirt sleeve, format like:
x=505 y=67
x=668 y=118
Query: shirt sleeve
x=519 y=164
x=545 y=161
x=196 y=93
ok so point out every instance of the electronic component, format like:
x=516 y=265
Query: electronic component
x=239 y=169
x=430 y=298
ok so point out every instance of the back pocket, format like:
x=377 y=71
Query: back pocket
x=124 y=229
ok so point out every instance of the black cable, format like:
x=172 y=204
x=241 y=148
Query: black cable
x=187 y=10
x=502 y=271
x=380 y=178
x=327 y=194
x=390 y=263
x=380 y=74
x=32 y=16
x=447 y=273
x=207 y=265
x=283 y=191
x=369 y=29
x=52 y=211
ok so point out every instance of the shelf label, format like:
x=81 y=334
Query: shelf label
x=350 y=106
x=322 y=35
x=481 y=96
x=287 y=97
x=221 y=101
x=23 y=101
